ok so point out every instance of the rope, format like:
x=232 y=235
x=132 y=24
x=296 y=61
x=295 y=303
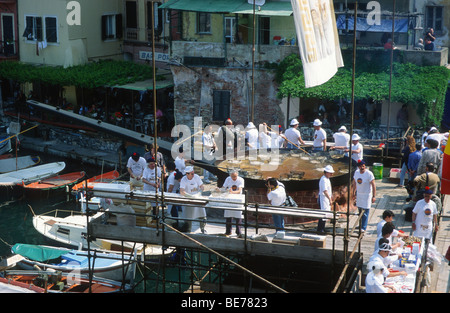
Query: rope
x=1 y=239
x=224 y=257
x=19 y=133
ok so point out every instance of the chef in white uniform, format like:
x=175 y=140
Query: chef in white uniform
x=424 y=216
x=325 y=193
x=234 y=185
x=192 y=184
x=152 y=179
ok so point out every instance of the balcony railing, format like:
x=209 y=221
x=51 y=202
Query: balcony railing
x=131 y=34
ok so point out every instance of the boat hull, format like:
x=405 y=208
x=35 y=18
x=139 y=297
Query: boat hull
x=55 y=282
x=101 y=263
x=14 y=164
x=55 y=182
x=32 y=174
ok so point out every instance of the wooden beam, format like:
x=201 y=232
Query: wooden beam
x=217 y=243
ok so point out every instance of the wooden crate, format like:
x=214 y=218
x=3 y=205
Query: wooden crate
x=309 y=242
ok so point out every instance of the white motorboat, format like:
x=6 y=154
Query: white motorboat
x=32 y=174
x=69 y=228
x=104 y=264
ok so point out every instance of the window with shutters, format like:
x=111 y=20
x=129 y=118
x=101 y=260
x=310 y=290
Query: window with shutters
x=51 y=30
x=131 y=14
x=111 y=26
x=221 y=105
x=158 y=18
x=33 y=28
x=203 y=23
x=434 y=18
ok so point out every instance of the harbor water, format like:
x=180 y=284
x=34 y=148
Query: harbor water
x=16 y=226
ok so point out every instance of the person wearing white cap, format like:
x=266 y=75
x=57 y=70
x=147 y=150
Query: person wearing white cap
x=325 y=193
x=251 y=136
x=209 y=147
x=424 y=216
x=375 y=279
x=293 y=136
x=320 y=136
x=234 y=184
x=357 y=148
x=192 y=184
x=341 y=140
x=381 y=256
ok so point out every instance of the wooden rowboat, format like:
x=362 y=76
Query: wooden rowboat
x=57 y=282
x=102 y=178
x=55 y=182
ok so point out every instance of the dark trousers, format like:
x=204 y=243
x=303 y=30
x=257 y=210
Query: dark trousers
x=229 y=226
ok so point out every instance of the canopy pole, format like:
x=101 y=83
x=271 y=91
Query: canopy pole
x=253 y=63
x=390 y=78
x=349 y=194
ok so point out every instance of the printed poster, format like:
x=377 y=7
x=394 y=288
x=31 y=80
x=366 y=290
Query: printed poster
x=315 y=24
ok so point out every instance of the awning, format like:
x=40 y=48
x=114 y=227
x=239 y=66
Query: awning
x=230 y=6
x=268 y=9
x=146 y=85
x=210 y=6
x=401 y=25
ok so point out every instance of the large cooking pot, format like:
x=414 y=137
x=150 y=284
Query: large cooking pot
x=296 y=169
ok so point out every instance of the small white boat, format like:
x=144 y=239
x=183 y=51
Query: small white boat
x=104 y=264
x=71 y=231
x=5 y=140
x=32 y=174
x=19 y=163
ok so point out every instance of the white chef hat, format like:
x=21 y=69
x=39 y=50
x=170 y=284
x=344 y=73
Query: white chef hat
x=294 y=122
x=356 y=137
x=329 y=169
x=317 y=122
x=342 y=128
x=189 y=169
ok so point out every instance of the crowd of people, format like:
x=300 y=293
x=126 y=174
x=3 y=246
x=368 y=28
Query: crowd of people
x=421 y=166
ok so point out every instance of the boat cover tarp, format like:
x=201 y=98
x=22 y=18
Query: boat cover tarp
x=401 y=25
x=37 y=253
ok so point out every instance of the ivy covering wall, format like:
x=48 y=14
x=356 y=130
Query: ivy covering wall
x=422 y=87
x=91 y=75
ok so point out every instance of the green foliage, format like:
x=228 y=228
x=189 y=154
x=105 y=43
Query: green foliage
x=91 y=75
x=423 y=87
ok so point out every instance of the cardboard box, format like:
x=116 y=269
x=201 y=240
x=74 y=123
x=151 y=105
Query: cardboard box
x=312 y=241
x=395 y=173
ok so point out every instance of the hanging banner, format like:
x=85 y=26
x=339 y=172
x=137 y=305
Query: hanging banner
x=445 y=181
x=315 y=24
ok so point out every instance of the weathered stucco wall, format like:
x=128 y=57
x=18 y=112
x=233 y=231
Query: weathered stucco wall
x=193 y=95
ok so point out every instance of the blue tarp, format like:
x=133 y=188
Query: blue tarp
x=401 y=25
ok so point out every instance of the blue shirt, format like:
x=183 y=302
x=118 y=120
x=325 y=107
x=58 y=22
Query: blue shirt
x=413 y=160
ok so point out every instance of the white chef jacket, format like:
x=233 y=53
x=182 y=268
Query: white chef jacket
x=192 y=186
x=234 y=185
x=363 y=188
x=424 y=218
x=324 y=185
